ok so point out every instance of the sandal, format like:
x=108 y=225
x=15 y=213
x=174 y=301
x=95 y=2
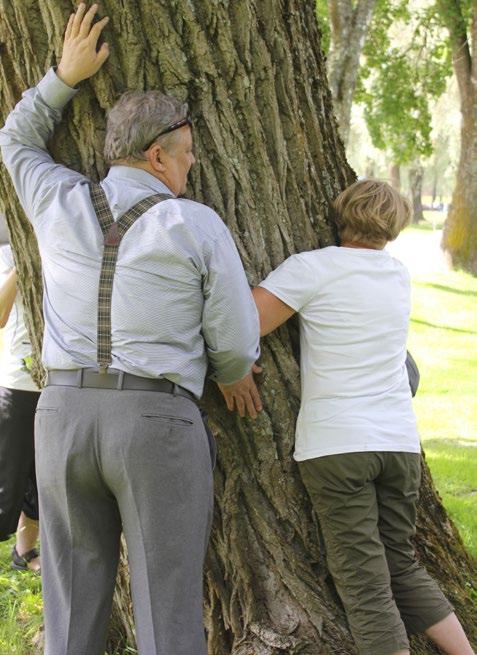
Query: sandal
x=20 y=562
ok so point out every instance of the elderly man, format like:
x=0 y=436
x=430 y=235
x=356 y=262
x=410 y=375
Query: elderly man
x=142 y=291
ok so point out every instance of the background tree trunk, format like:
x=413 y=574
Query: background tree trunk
x=460 y=228
x=349 y=25
x=395 y=176
x=270 y=161
x=416 y=177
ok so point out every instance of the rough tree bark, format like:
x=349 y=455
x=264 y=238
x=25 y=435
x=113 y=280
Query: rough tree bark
x=416 y=177
x=270 y=161
x=460 y=229
x=349 y=25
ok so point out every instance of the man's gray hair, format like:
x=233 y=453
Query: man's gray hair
x=136 y=119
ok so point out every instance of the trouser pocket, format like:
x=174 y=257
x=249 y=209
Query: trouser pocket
x=210 y=437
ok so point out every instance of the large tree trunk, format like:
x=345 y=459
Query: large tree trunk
x=270 y=161
x=349 y=26
x=460 y=229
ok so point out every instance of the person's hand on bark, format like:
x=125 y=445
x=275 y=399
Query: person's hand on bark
x=243 y=395
x=81 y=59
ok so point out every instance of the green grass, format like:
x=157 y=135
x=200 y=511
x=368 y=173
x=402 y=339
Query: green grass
x=443 y=340
x=20 y=608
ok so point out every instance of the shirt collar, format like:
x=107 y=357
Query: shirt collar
x=130 y=173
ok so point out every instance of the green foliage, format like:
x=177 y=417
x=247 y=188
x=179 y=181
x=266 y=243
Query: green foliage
x=400 y=76
x=405 y=65
x=323 y=17
x=455 y=15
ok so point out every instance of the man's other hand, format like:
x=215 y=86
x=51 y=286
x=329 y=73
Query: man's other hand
x=80 y=59
x=243 y=395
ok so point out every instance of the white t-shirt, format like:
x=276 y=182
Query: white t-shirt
x=354 y=307
x=16 y=344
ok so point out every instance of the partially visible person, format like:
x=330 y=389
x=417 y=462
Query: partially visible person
x=357 y=443
x=18 y=399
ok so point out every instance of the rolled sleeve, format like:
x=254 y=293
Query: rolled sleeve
x=230 y=322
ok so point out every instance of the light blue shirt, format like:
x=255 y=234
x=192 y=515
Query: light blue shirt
x=180 y=298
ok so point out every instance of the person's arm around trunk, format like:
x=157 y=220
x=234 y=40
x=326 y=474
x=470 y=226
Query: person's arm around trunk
x=8 y=291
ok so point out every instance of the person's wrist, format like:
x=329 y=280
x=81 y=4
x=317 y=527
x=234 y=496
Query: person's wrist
x=66 y=77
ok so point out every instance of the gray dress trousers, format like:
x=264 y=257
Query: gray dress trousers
x=133 y=461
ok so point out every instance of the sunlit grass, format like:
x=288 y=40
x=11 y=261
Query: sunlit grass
x=443 y=340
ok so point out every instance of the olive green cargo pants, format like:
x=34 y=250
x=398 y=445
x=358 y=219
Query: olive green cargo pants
x=366 y=504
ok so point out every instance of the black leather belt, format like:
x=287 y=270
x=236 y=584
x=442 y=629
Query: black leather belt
x=90 y=378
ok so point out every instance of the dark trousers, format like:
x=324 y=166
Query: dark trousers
x=18 y=491
x=366 y=504
x=132 y=461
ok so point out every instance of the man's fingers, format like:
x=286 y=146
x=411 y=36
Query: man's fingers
x=69 y=26
x=78 y=17
x=249 y=401
x=239 y=401
x=103 y=54
x=257 y=401
x=256 y=368
x=97 y=29
x=87 y=21
x=229 y=401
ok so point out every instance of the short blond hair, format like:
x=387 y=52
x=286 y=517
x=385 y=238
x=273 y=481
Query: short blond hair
x=371 y=211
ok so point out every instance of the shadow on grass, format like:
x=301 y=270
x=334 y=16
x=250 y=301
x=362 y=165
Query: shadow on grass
x=443 y=287
x=418 y=321
x=442 y=444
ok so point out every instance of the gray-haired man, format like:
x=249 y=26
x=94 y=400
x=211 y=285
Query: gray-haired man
x=125 y=447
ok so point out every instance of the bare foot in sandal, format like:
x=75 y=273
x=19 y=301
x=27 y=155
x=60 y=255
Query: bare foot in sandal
x=25 y=557
x=29 y=561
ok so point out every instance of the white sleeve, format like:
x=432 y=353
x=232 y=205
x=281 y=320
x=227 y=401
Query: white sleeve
x=294 y=282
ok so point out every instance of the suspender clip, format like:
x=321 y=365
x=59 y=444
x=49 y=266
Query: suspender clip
x=112 y=236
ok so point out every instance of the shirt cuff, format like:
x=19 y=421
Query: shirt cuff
x=55 y=93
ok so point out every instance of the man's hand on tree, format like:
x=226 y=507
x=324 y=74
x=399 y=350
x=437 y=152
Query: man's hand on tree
x=80 y=59
x=243 y=395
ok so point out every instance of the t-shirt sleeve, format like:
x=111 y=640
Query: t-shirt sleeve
x=294 y=282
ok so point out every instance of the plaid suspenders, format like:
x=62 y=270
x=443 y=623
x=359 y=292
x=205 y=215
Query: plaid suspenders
x=113 y=232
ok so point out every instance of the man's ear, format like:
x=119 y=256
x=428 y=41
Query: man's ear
x=155 y=158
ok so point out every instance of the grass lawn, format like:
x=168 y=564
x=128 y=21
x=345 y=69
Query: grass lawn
x=443 y=341
x=20 y=608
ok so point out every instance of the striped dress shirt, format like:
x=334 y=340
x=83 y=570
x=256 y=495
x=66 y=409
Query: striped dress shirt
x=181 y=301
